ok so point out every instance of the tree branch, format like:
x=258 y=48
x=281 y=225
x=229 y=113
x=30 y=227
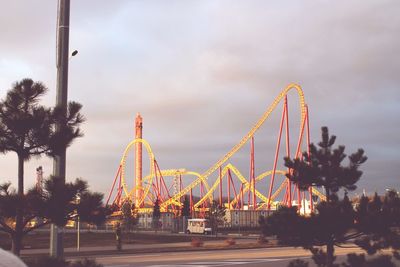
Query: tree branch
x=27 y=220
x=6 y=228
x=27 y=230
x=350 y=236
x=341 y=246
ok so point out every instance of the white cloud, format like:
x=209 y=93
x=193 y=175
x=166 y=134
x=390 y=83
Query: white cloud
x=201 y=73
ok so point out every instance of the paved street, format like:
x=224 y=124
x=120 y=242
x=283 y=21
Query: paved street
x=111 y=248
x=245 y=257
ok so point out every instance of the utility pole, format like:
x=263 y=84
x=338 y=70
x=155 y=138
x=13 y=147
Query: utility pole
x=62 y=46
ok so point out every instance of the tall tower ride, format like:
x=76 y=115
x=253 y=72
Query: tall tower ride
x=138 y=159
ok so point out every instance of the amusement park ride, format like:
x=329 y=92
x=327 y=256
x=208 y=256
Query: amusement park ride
x=238 y=194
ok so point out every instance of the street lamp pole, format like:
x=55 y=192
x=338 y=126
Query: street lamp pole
x=78 y=243
x=78 y=240
x=56 y=235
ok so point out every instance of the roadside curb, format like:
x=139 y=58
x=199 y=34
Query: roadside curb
x=89 y=254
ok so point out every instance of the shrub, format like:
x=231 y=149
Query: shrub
x=298 y=263
x=196 y=242
x=53 y=262
x=230 y=241
x=261 y=240
x=47 y=262
x=86 y=263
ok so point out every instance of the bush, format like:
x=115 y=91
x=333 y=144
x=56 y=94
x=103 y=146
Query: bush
x=298 y=263
x=47 y=262
x=86 y=263
x=261 y=240
x=230 y=241
x=359 y=260
x=196 y=242
x=53 y=262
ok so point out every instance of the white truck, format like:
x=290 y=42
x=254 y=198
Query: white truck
x=198 y=226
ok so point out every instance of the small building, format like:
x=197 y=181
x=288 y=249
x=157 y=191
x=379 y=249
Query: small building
x=243 y=218
x=166 y=221
x=305 y=207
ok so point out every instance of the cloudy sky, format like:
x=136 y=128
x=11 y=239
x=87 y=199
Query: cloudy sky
x=201 y=73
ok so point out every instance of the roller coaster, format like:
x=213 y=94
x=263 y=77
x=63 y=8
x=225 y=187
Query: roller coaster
x=221 y=183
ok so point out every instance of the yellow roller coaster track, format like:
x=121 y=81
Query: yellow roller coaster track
x=123 y=163
x=202 y=178
x=243 y=181
x=174 y=172
x=246 y=138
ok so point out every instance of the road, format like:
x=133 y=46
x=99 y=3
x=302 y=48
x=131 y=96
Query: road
x=246 y=257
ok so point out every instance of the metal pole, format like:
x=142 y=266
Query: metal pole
x=78 y=233
x=78 y=239
x=56 y=237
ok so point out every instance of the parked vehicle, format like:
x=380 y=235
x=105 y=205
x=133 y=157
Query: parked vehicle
x=198 y=226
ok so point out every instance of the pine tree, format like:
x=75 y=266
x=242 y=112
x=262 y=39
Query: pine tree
x=323 y=167
x=185 y=211
x=56 y=203
x=156 y=215
x=216 y=216
x=129 y=220
x=30 y=129
x=330 y=224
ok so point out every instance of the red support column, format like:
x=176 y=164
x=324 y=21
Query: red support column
x=201 y=196
x=285 y=198
x=191 y=202
x=229 y=189
x=158 y=183
x=241 y=196
x=308 y=151
x=138 y=160
x=112 y=187
x=220 y=186
x=299 y=155
x=234 y=189
x=252 y=174
x=278 y=144
x=288 y=150
x=180 y=187
x=162 y=184
x=119 y=189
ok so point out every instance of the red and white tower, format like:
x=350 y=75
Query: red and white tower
x=138 y=159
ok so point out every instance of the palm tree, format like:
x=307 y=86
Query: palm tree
x=30 y=129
